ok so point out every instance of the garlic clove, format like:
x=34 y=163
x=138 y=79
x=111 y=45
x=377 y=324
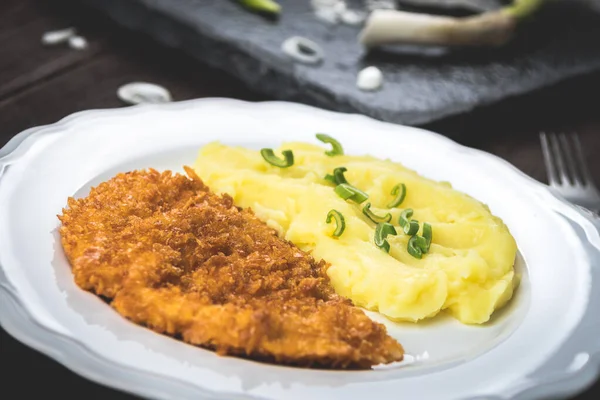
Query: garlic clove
x=370 y=78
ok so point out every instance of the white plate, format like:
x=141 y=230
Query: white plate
x=544 y=344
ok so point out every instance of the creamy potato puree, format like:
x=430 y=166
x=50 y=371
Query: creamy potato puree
x=468 y=270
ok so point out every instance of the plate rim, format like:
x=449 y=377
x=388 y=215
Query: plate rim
x=89 y=364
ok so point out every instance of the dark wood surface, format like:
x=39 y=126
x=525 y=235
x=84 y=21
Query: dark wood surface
x=40 y=85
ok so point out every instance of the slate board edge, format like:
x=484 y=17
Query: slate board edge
x=179 y=35
x=124 y=13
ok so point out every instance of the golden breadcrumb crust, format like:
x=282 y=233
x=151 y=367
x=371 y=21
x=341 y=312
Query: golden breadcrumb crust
x=170 y=255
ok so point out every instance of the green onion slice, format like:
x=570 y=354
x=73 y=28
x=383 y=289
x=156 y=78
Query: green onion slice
x=405 y=216
x=382 y=230
x=336 y=147
x=262 y=6
x=330 y=178
x=400 y=192
x=271 y=158
x=421 y=243
x=340 y=223
x=413 y=247
x=427 y=235
x=374 y=217
x=349 y=192
x=338 y=174
x=409 y=226
x=344 y=191
x=412 y=227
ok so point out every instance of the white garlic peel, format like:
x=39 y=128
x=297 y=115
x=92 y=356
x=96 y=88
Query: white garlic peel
x=302 y=50
x=78 y=43
x=372 y=5
x=143 y=93
x=351 y=17
x=335 y=11
x=57 y=37
x=370 y=78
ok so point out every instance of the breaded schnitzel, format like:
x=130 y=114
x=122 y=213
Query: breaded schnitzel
x=173 y=256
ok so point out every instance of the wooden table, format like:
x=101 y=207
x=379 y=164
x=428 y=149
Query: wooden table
x=40 y=85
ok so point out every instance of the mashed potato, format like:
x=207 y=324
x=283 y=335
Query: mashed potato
x=468 y=270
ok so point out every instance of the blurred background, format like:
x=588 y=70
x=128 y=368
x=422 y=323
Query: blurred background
x=493 y=98
x=490 y=74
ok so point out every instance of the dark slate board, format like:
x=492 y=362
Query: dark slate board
x=473 y=5
x=421 y=84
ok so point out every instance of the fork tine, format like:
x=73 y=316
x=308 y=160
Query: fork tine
x=571 y=162
x=561 y=170
x=547 y=153
x=586 y=176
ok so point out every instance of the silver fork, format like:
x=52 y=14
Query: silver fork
x=567 y=171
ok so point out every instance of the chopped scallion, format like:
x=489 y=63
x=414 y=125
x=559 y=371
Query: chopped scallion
x=338 y=174
x=413 y=248
x=374 y=217
x=349 y=192
x=382 y=230
x=428 y=235
x=409 y=226
x=336 y=147
x=421 y=243
x=412 y=227
x=261 y=6
x=405 y=216
x=271 y=158
x=340 y=223
x=344 y=191
x=330 y=178
x=400 y=192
